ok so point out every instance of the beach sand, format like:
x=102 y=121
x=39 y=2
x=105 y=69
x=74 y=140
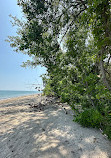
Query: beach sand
x=29 y=129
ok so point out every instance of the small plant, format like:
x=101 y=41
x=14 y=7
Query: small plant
x=89 y=118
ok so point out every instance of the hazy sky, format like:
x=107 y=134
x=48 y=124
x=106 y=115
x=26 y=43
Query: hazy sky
x=12 y=75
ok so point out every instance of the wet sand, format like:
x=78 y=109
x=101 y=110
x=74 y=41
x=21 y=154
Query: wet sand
x=35 y=127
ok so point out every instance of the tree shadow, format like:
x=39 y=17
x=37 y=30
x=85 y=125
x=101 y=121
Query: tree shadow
x=49 y=133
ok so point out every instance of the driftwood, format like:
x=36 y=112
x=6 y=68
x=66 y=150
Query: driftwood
x=40 y=106
x=37 y=107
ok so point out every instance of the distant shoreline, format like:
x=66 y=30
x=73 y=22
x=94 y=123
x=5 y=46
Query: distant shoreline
x=19 y=98
x=8 y=94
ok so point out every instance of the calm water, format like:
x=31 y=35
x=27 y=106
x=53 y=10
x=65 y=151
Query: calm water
x=4 y=94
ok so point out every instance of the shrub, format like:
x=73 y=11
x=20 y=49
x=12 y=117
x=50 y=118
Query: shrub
x=106 y=124
x=107 y=130
x=89 y=118
x=48 y=90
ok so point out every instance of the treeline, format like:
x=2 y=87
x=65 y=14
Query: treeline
x=72 y=39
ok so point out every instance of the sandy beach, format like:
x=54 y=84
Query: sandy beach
x=35 y=127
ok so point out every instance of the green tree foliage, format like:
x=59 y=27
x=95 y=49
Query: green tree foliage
x=72 y=39
x=90 y=118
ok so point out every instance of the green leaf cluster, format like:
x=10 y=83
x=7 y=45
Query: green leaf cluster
x=90 y=118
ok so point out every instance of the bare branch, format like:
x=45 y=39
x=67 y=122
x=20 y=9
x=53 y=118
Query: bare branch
x=108 y=60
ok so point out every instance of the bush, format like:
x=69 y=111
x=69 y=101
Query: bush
x=107 y=130
x=89 y=118
x=48 y=90
x=106 y=124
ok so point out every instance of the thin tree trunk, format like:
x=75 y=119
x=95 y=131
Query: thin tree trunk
x=103 y=73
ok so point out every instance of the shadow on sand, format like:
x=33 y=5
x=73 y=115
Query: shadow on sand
x=48 y=133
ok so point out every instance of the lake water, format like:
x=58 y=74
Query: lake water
x=5 y=94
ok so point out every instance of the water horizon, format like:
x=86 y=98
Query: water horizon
x=6 y=94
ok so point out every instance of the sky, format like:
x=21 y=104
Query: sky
x=12 y=75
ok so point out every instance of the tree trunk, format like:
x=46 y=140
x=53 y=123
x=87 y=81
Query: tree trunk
x=103 y=73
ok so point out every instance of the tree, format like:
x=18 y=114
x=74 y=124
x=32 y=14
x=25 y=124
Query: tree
x=100 y=20
x=72 y=39
x=47 y=23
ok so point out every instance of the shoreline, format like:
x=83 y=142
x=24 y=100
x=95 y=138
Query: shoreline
x=19 y=98
x=10 y=94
